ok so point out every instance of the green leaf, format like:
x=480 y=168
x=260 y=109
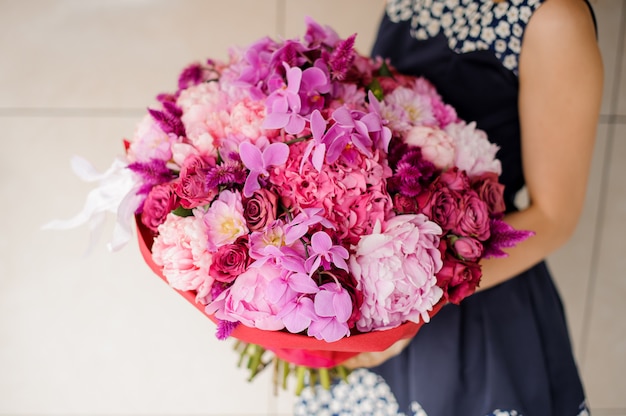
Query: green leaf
x=182 y=212
x=376 y=89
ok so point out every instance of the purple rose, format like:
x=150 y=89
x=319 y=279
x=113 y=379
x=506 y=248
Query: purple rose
x=473 y=220
x=161 y=200
x=260 y=209
x=491 y=191
x=458 y=279
x=441 y=205
x=230 y=261
x=467 y=248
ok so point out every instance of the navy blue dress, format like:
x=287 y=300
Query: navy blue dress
x=505 y=350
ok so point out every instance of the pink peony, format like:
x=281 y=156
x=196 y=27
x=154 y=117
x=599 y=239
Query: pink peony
x=475 y=154
x=246 y=300
x=184 y=259
x=436 y=145
x=395 y=270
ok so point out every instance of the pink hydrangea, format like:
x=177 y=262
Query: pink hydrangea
x=185 y=260
x=395 y=269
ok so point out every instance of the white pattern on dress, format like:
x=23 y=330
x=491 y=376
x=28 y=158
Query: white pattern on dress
x=469 y=25
x=367 y=394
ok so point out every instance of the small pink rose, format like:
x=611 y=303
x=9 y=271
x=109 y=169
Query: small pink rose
x=260 y=209
x=467 y=248
x=454 y=179
x=473 y=219
x=458 y=279
x=191 y=187
x=230 y=261
x=160 y=201
x=490 y=191
x=441 y=205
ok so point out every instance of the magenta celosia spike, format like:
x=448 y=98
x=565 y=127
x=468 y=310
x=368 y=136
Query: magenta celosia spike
x=342 y=57
x=229 y=174
x=224 y=329
x=169 y=123
x=152 y=173
x=192 y=75
x=503 y=236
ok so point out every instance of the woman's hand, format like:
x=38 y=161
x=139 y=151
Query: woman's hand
x=372 y=359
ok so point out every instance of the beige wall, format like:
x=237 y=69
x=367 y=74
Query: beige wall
x=100 y=334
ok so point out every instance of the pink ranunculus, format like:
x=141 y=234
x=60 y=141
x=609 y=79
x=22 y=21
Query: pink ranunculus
x=491 y=191
x=467 y=248
x=246 y=300
x=436 y=145
x=185 y=264
x=458 y=279
x=473 y=217
x=395 y=270
x=191 y=186
x=260 y=209
x=159 y=203
x=230 y=260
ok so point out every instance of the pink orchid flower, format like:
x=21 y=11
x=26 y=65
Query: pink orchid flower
x=333 y=307
x=316 y=149
x=324 y=253
x=299 y=226
x=259 y=162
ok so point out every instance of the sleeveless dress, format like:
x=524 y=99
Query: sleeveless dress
x=504 y=351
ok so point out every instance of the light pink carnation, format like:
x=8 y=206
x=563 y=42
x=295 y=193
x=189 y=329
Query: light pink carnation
x=395 y=270
x=246 y=300
x=185 y=260
x=474 y=152
x=437 y=146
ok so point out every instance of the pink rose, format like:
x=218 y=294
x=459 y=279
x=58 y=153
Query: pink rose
x=160 y=201
x=473 y=220
x=246 y=300
x=395 y=270
x=436 y=145
x=454 y=179
x=491 y=191
x=467 y=248
x=260 y=209
x=230 y=261
x=458 y=279
x=191 y=187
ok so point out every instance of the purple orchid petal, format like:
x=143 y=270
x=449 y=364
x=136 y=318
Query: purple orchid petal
x=318 y=157
x=251 y=156
x=338 y=260
x=275 y=154
x=276 y=289
x=295 y=125
x=312 y=263
x=252 y=184
x=321 y=242
x=300 y=317
x=294 y=77
x=276 y=120
x=342 y=304
x=318 y=125
x=324 y=303
x=302 y=283
x=315 y=79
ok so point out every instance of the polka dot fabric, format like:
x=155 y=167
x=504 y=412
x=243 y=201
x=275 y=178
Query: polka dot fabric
x=469 y=25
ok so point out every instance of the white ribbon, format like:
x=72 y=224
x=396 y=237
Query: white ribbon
x=116 y=193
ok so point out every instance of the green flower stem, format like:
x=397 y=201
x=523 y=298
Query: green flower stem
x=300 y=373
x=324 y=378
x=299 y=139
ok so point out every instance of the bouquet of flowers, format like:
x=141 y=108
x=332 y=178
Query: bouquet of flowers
x=308 y=198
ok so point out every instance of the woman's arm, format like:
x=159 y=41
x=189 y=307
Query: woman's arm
x=560 y=74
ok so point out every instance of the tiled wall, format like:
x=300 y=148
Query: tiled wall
x=98 y=333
